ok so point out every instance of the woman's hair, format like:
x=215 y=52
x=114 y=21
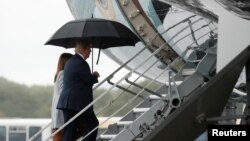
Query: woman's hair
x=61 y=63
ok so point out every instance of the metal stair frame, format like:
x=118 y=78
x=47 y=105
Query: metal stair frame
x=206 y=102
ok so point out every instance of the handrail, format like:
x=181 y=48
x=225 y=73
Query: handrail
x=122 y=66
x=141 y=87
x=124 y=89
x=110 y=103
x=239 y=92
x=184 y=29
x=182 y=21
x=189 y=46
x=127 y=87
x=81 y=138
x=192 y=31
x=190 y=34
x=147 y=45
x=204 y=35
x=39 y=132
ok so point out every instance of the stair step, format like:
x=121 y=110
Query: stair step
x=147 y=116
x=188 y=71
x=140 y=110
x=147 y=103
x=138 y=139
x=110 y=136
x=124 y=122
x=156 y=97
x=113 y=129
x=129 y=117
x=176 y=82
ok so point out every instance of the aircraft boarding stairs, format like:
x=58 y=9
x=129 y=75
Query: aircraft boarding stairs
x=149 y=114
x=161 y=103
x=153 y=112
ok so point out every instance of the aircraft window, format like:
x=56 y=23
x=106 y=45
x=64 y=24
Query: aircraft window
x=33 y=130
x=17 y=133
x=2 y=133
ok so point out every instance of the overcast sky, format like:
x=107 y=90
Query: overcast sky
x=26 y=25
x=24 y=28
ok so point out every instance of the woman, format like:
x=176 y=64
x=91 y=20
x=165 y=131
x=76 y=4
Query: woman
x=57 y=115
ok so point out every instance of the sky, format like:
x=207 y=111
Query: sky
x=26 y=25
x=24 y=28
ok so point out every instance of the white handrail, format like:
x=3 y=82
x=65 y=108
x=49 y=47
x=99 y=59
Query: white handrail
x=190 y=34
x=81 y=138
x=189 y=46
x=120 y=68
x=39 y=132
x=110 y=103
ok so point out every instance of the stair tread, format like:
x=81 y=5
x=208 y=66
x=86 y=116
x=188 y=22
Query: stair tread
x=156 y=97
x=124 y=122
x=140 y=110
x=176 y=82
x=108 y=136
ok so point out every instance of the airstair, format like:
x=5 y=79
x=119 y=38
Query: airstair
x=187 y=74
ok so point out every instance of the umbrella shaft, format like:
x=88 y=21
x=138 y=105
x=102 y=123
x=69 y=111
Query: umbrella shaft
x=92 y=60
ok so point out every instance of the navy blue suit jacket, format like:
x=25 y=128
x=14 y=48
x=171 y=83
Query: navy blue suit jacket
x=78 y=83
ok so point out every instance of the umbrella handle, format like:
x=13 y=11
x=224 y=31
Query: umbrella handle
x=98 y=56
x=92 y=60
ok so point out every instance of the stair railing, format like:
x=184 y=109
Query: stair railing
x=134 y=93
x=185 y=36
x=112 y=101
x=189 y=46
x=130 y=101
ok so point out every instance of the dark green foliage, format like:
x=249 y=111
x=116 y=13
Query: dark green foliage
x=21 y=101
x=122 y=98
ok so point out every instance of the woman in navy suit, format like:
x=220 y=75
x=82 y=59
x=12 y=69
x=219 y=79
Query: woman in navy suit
x=77 y=94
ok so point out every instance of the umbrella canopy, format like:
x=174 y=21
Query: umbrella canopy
x=101 y=32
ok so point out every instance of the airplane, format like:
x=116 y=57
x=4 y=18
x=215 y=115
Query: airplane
x=197 y=50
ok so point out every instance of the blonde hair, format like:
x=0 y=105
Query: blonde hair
x=61 y=63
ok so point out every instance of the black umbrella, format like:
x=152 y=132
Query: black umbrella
x=101 y=32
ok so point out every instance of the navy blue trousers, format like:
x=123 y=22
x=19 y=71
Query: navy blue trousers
x=80 y=127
